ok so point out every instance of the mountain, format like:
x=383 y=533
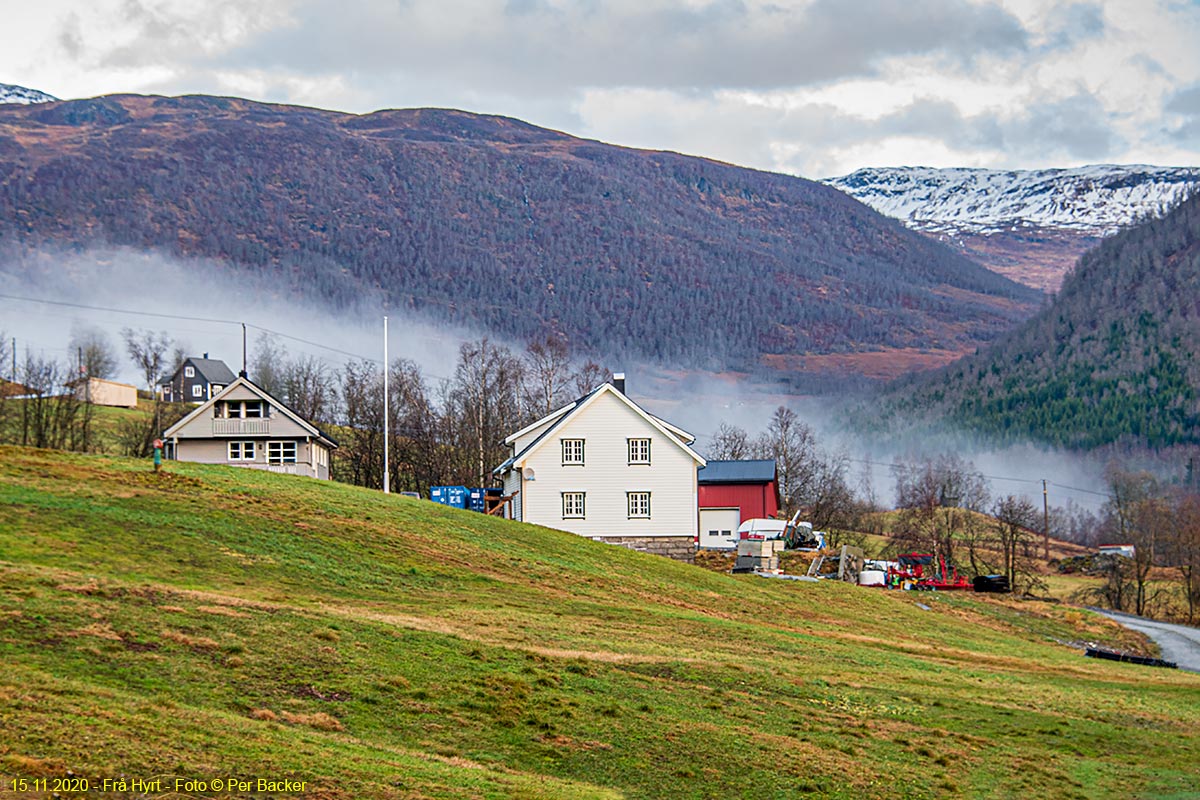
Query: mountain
x=498 y=224
x=1113 y=360
x=1030 y=225
x=19 y=95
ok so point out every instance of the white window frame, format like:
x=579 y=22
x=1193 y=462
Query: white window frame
x=574 y=505
x=258 y=406
x=277 y=453
x=189 y=372
x=638 y=505
x=638 y=450
x=197 y=390
x=572 y=452
x=242 y=451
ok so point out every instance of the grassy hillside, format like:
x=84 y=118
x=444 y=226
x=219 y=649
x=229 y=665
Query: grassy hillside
x=210 y=622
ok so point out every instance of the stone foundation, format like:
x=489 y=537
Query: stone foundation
x=680 y=548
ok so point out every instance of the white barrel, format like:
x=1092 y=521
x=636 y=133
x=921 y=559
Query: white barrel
x=872 y=577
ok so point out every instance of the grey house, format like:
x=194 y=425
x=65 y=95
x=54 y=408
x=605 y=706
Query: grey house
x=196 y=380
x=243 y=426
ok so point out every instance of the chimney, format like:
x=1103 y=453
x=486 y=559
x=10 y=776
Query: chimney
x=206 y=356
x=618 y=381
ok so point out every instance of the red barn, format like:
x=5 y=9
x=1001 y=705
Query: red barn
x=731 y=492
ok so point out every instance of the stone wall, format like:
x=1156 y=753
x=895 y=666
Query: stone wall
x=680 y=548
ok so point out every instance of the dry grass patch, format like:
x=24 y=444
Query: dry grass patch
x=320 y=720
x=199 y=642
x=221 y=611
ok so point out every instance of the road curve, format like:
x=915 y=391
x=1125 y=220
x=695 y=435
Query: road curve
x=1179 y=643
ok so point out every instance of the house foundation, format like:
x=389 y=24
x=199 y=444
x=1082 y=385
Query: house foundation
x=680 y=548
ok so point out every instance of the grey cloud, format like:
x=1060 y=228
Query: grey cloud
x=533 y=46
x=1186 y=101
x=1074 y=23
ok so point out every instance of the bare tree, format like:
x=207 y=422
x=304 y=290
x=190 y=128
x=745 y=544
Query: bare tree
x=94 y=351
x=268 y=364
x=1015 y=519
x=51 y=416
x=1142 y=519
x=148 y=351
x=548 y=375
x=485 y=396
x=729 y=443
x=792 y=443
x=1186 y=550
x=589 y=376
x=360 y=458
x=307 y=386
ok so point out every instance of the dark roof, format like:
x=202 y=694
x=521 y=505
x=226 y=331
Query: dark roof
x=213 y=370
x=760 y=471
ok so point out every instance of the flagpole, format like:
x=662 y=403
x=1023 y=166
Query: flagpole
x=387 y=487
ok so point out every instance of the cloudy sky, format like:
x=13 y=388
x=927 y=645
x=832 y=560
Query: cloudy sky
x=810 y=87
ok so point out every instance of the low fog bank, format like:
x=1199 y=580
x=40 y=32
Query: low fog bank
x=199 y=304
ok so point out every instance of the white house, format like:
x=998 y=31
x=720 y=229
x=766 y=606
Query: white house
x=604 y=467
x=243 y=426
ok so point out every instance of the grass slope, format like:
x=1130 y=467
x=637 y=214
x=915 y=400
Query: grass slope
x=210 y=621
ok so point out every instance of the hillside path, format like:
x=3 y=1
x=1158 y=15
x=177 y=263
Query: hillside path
x=1179 y=643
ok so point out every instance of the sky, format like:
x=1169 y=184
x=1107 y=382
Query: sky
x=816 y=88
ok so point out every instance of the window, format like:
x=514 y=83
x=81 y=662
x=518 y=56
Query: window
x=241 y=451
x=572 y=451
x=639 y=451
x=255 y=408
x=189 y=372
x=281 y=452
x=573 y=505
x=639 y=504
x=197 y=390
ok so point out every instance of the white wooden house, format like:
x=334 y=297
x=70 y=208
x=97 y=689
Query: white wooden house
x=605 y=468
x=243 y=426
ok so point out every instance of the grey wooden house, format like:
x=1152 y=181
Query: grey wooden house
x=243 y=426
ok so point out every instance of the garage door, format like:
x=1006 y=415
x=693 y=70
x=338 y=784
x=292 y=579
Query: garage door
x=718 y=527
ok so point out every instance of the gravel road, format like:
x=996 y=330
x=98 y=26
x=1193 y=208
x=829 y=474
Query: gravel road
x=1179 y=643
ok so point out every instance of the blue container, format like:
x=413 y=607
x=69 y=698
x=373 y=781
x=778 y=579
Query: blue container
x=477 y=500
x=455 y=496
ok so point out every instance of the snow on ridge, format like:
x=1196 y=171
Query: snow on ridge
x=19 y=95
x=1097 y=199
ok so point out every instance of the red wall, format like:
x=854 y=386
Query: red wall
x=756 y=500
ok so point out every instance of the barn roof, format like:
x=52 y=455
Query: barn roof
x=754 y=471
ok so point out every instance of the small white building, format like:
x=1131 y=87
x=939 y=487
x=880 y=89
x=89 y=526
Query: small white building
x=243 y=426
x=101 y=392
x=605 y=468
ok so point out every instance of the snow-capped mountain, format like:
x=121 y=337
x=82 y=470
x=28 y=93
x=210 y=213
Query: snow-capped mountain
x=19 y=95
x=1094 y=200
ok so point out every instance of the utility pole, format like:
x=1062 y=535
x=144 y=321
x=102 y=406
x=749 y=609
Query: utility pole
x=1045 y=519
x=244 y=373
x=387 y=478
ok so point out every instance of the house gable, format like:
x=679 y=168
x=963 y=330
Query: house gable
x=580 y=408
x=203 y=424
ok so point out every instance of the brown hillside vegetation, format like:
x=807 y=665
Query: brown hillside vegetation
x=497 y=223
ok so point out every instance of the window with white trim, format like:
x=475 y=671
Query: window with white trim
x=639 y=504
x=639 y=451
x=197 y=390
x=281 y=452
x=573 y=505
x=572 y=452
x=255 y=408
x=189 y=372
x=241 y=451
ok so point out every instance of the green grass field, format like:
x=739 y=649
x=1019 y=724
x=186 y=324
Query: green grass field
x=209 y=622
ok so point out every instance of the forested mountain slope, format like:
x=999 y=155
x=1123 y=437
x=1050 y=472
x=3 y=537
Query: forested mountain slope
x=1113 y=359
x=493 y=222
